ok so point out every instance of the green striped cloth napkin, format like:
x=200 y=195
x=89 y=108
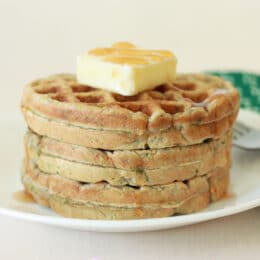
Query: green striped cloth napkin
x=248 y=85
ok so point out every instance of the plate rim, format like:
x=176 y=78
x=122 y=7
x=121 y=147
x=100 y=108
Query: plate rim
x=139 y=225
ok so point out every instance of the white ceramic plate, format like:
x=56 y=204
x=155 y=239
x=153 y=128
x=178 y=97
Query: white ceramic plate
x=245 y=185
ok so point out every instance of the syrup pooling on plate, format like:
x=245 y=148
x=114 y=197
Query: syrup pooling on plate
x=23 y=196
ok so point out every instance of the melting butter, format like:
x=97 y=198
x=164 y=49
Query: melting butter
x=125 y=69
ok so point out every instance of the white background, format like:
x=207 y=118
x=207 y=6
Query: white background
x=38 y=38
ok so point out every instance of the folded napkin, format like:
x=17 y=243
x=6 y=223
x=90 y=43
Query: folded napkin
x=248 y=84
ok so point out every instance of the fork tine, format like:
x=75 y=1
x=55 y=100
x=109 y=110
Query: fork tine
x=246 y=137
x=239 y=132
x=242 y=126
x=236 y=136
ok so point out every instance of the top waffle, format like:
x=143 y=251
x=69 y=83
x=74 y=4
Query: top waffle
x=193 y=108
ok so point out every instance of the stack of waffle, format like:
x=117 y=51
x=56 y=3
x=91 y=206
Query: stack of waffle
x=94 y=154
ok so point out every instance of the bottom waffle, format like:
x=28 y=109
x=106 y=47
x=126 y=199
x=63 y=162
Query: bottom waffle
x=103 y=201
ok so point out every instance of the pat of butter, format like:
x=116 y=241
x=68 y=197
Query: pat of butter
x=124 y=69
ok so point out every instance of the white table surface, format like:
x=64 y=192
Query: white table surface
x=235 y=237
x=44 y=37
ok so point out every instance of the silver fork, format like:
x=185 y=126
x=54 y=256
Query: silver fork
x=246 y=137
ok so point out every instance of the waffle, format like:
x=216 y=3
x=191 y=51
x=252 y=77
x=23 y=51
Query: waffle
x=136 y=168
x=102 y=201
x=190 y=110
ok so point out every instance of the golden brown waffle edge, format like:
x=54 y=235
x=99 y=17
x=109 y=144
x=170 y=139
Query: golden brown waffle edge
x=137 y=168
x=74 y=201
x=191 y=109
